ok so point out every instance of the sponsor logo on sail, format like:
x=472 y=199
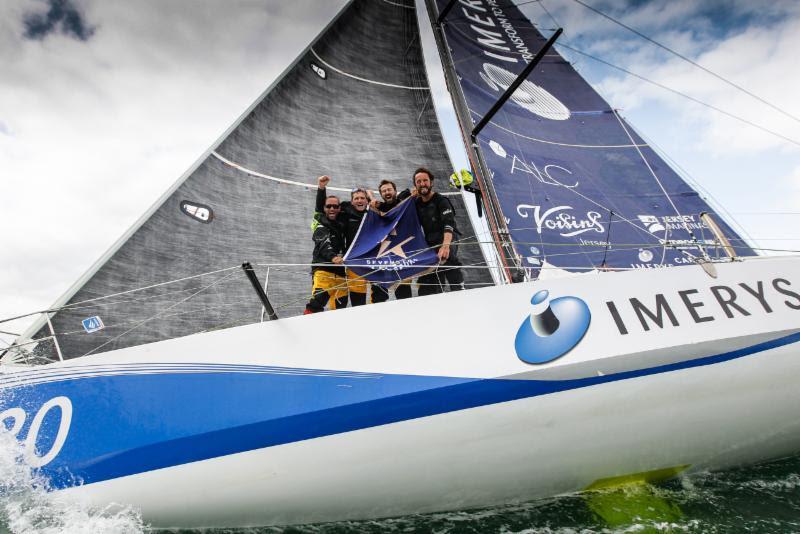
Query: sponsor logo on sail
x=197 y=211
x=319 y=71
x=656 y=225
x=558 y=218
x=498 y=149
x=645 y=255
x=492 y=30
x=651 y=223
x=93 y=324
x=553 y=328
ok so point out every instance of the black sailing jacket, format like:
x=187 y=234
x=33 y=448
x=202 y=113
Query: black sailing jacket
x=437 y=216
x=349 y=216
x=328 y=243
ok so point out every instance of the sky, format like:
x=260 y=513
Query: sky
x=105 y=103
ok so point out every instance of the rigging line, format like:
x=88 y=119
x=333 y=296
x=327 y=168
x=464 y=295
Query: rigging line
x=541 y=4
x=608 y=239
x=717 y=206
x=655 y=176
x=766 y=213
x=150 y=298
x=345 y=285
x=452 y=18
x=684 y=95
x=161 y=312
x=367 y=80
x=195 y=311
x=68 y=306
x=554 y=142
x=681 y=56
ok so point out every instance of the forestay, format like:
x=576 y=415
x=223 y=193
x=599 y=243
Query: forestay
x=355 y=105
x=575 y=183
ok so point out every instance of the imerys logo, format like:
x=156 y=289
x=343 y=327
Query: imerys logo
x=552 y=329
x=197 y=211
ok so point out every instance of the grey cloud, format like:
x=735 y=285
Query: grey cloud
x=61 y=15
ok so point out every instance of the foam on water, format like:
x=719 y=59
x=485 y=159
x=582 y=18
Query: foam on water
x=26 y=507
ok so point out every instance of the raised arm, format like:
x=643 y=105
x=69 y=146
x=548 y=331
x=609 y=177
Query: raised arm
x=322 y=193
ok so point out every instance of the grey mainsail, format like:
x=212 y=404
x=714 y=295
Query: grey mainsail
x=358 y=117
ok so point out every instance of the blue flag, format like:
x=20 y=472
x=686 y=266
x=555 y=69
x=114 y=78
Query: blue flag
x=390 y=248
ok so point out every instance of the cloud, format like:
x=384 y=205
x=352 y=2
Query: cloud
x=101 y=128
x=61 y=15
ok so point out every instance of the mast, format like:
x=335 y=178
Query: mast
x=497 y=224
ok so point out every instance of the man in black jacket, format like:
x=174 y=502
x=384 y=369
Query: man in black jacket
x=389 y=200
x=438 y=219
x=350 y=216
x=328 y=273
x=389 y=196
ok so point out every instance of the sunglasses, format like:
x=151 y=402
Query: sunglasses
x=332 y=206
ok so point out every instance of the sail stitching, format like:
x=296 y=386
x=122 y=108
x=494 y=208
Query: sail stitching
x=493 y=123
x=367 y=80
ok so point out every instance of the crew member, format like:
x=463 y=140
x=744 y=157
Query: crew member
x=389 y=196
x=350 y=216
x=438 y=220
x=390 y=199
x=329 y=282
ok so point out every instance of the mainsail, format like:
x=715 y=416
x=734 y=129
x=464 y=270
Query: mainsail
x=358 y=117
x=576 y=186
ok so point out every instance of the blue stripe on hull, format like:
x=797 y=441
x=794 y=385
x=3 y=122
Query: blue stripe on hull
x=123 y=425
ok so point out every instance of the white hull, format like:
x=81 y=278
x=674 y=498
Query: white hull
x=736 y=406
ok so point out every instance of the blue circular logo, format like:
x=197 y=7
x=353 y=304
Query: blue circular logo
x=552 y=329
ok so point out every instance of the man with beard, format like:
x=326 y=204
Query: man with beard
x=389 y=196
x=390 y=199
x=329 y=282
x=350 y=218
x=438 y=220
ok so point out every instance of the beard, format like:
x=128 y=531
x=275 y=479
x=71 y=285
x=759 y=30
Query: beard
x=423 y=190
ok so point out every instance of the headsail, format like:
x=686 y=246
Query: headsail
x=358 y=117
x=577 y=187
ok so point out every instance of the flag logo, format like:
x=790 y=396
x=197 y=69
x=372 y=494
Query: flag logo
x=390 y=248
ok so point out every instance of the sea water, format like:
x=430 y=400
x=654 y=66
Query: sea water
x=26 y=507
x=760 y=499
